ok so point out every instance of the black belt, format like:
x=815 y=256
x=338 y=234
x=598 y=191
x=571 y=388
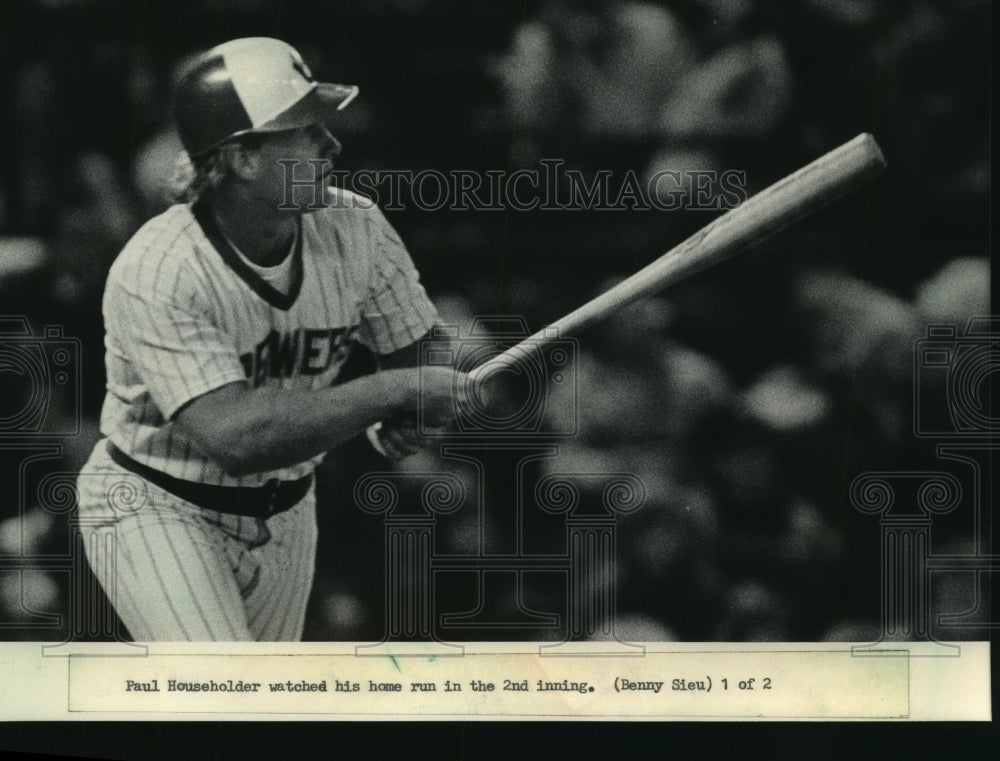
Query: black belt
x=251 y=501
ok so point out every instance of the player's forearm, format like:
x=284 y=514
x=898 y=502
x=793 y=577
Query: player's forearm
x=264 y=429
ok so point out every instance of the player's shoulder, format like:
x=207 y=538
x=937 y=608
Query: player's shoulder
x=349 y=226
x=163 y=243
x=345 y=208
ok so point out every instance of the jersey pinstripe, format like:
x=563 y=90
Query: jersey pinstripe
x=181 y=572
x=185 y=316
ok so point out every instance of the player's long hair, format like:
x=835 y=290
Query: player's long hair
x=195 y=178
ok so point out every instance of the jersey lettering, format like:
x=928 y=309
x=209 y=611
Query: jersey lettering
x=303 y=351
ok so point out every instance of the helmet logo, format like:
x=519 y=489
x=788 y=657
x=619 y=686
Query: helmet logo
x=300 y=66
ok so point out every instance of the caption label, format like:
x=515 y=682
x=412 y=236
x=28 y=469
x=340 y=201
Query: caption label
x=821 y=684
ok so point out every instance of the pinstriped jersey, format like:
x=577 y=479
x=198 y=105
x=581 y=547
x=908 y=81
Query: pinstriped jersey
x=184 y=315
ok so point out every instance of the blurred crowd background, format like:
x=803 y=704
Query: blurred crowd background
x=746 y=399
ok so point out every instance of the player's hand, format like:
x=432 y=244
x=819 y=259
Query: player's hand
x=399 y=437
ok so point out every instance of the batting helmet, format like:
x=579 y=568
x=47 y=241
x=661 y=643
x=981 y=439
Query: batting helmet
x=255 y=84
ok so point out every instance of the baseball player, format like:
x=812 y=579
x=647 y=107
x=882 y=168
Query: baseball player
x=228 y=318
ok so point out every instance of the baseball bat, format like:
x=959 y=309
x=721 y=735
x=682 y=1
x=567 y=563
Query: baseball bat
x=772 y=209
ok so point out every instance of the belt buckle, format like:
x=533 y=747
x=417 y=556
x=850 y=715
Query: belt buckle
x=273 y=487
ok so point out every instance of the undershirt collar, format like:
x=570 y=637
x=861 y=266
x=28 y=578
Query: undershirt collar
x=273 y=296
x=278 y=276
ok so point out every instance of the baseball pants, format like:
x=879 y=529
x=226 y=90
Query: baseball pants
x=180 y=572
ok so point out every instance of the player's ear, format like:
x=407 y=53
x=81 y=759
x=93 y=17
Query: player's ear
x=244 y=161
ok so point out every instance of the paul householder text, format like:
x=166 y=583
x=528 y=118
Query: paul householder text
x=619 y=685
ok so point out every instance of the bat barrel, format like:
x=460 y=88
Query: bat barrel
x=772 y=209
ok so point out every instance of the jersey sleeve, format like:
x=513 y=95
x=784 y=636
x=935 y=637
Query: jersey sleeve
x=166 y=337
x=396 y=311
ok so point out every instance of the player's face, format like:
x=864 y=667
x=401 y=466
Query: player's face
x=295 y=168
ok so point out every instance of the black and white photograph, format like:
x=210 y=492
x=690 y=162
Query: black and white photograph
x=574 y=325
